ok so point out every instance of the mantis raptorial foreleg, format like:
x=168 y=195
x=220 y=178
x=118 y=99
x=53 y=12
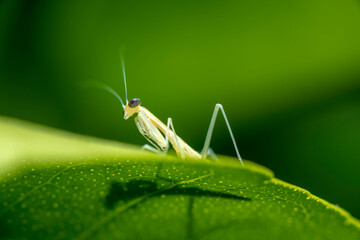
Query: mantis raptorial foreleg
x=204 y=152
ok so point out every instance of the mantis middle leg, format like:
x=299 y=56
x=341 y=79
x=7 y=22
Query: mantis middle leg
x=168 y=126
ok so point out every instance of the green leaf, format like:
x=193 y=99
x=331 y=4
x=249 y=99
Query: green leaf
x=58 y=185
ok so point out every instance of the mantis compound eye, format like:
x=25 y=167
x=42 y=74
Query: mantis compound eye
x=134 y=102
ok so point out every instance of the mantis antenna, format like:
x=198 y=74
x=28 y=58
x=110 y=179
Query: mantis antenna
x=123 y=70
x=111 y=91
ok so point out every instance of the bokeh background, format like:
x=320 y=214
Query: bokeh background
x=287 y=73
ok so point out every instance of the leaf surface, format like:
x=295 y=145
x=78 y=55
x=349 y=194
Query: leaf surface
x=58 y=185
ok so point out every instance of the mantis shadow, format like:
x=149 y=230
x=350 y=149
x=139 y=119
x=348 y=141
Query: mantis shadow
x=126 y=191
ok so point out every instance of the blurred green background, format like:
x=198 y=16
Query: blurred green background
x=287 y=73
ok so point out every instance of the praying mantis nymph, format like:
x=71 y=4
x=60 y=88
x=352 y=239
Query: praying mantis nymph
x=159 y=134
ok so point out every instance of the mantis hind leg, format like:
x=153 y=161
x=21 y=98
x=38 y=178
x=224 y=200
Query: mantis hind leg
x=205 y=150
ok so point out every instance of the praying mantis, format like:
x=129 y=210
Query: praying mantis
x=159 y=134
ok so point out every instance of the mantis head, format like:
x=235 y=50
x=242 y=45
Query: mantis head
x=131 y=107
